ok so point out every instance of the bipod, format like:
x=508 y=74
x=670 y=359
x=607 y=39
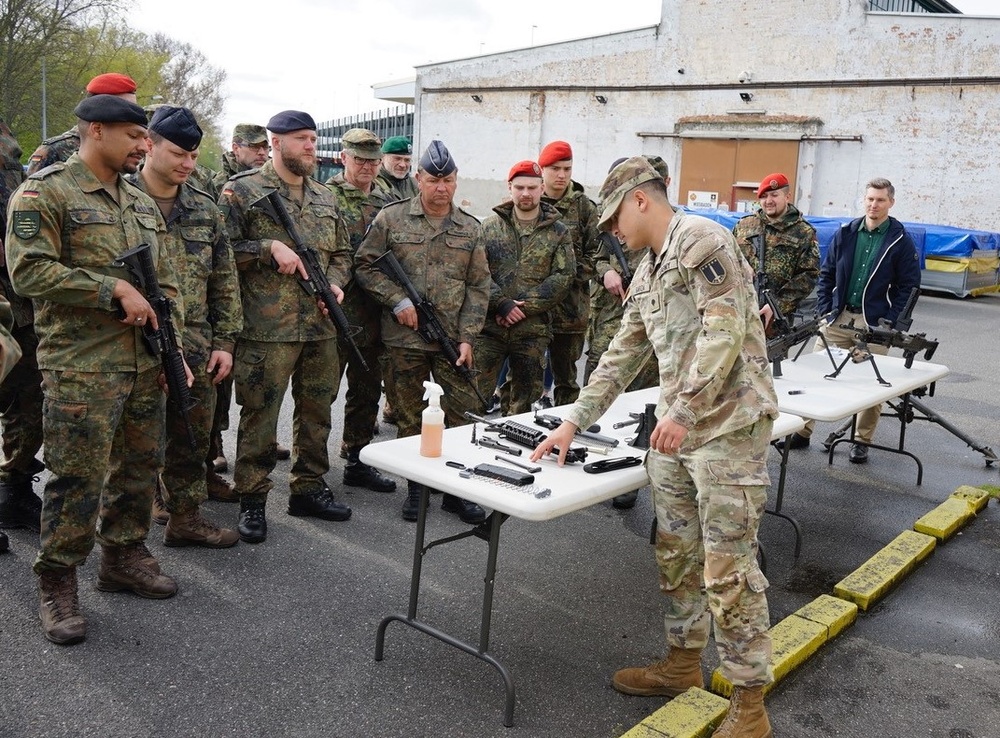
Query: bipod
x=858 y=353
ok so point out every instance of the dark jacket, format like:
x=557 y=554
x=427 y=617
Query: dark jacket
x=895 y=272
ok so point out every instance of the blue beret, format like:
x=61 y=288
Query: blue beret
x=290 y=120
x=177 y=125
x=109 y=109
x=437 y=160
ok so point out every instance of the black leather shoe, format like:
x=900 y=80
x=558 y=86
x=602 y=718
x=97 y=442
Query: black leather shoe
x=796 y=442
x=411 y=505
x=358 y=474
x=320 y=505
x=859 y=454
x=467 y=512
x=625 y=501
x=253 y=525
x=20 y=507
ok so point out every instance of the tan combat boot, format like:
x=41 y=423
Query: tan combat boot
x=668 y=678
x=220 y=488
x=59 y=607
x=126 y=567
x=191 y=529
x=159 y=512
x=746 y=717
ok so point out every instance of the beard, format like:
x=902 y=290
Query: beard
x=300 y=165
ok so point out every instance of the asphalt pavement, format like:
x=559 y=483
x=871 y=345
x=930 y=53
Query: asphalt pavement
x=278 y=639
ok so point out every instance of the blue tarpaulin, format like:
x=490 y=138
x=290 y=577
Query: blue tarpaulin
x=931 y=240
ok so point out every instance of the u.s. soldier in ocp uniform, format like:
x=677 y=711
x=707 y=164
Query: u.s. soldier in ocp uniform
x=195 y=241
x=103 y=417
x=439 y=247
x=532 y=265
x=692 y=304
x=285 y=335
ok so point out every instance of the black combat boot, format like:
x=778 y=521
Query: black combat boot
x=411 y=505
x=467 y=512
x=4 y=543
x=359 y=474
x=318 y=505
x=20 y=507
x=252 y=526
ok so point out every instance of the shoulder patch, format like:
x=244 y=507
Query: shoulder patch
x=199 y=191
x=713 y=271
x=25 y=223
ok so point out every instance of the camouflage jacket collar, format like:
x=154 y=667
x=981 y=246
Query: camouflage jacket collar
x=185 y=202
x=572 y=192
x=229 y=164
x=547 y=217
x=790 y=218
x=311 y=189
x=88 y=182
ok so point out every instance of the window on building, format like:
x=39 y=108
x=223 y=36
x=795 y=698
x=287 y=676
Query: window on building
x=913 y=6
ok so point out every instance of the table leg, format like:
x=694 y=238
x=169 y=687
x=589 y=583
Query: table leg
x=780 y=497
x=419 y=550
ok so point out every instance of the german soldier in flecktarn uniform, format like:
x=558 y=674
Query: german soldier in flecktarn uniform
x=196 y=243
x=103 y=419
x=439 y=247
x=285 y=335
x=532 y=265
x=359 y=201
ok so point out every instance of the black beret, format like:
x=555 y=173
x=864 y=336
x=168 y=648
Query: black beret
x=437 y=160
x=177 y=125
x=109 y=109
x=290 y=120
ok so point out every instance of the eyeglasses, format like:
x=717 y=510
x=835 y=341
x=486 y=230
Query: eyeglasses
x=367 y=162
x=255 y=147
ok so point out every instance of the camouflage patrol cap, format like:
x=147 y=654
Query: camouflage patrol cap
x=362 y=143
x=397 y=145
x=659 y=165
x=621 y=180
x=437 y=160
x=249 y=133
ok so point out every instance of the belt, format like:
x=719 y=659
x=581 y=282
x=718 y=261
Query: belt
x=852 y=308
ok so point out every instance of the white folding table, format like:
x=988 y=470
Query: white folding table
x=569 y=489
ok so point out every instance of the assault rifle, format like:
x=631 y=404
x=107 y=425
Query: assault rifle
x=316 y=284
x=428 y=324
x=161 y=341
x=779 y=346
x=614 y=247
x=779 y=323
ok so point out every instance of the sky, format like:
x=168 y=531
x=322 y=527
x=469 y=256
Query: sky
x=323 y=56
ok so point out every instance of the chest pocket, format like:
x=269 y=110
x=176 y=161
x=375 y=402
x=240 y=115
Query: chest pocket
x=459 y=243
x=90 y=233
x=322 y=236
x=197 y=239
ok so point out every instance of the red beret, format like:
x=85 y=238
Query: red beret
x=772 y=182
x=111 y=83
x=526 y=168
x=553 y=152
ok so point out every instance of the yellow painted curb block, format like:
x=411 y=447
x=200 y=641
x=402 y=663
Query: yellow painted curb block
x=945 y=519
x=867 y=584
x=793 y=641
x=835 y=614
x=975 y=496
x=694 y=714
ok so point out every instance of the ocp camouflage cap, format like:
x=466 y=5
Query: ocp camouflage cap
x=250 y=133
x=620 y=181
x=362 y=143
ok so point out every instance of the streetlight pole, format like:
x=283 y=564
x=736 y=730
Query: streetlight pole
x=45 y=117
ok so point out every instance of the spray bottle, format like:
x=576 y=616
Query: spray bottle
x=432 y=421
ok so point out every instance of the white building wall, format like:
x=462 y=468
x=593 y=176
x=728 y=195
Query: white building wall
x=821 y=59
